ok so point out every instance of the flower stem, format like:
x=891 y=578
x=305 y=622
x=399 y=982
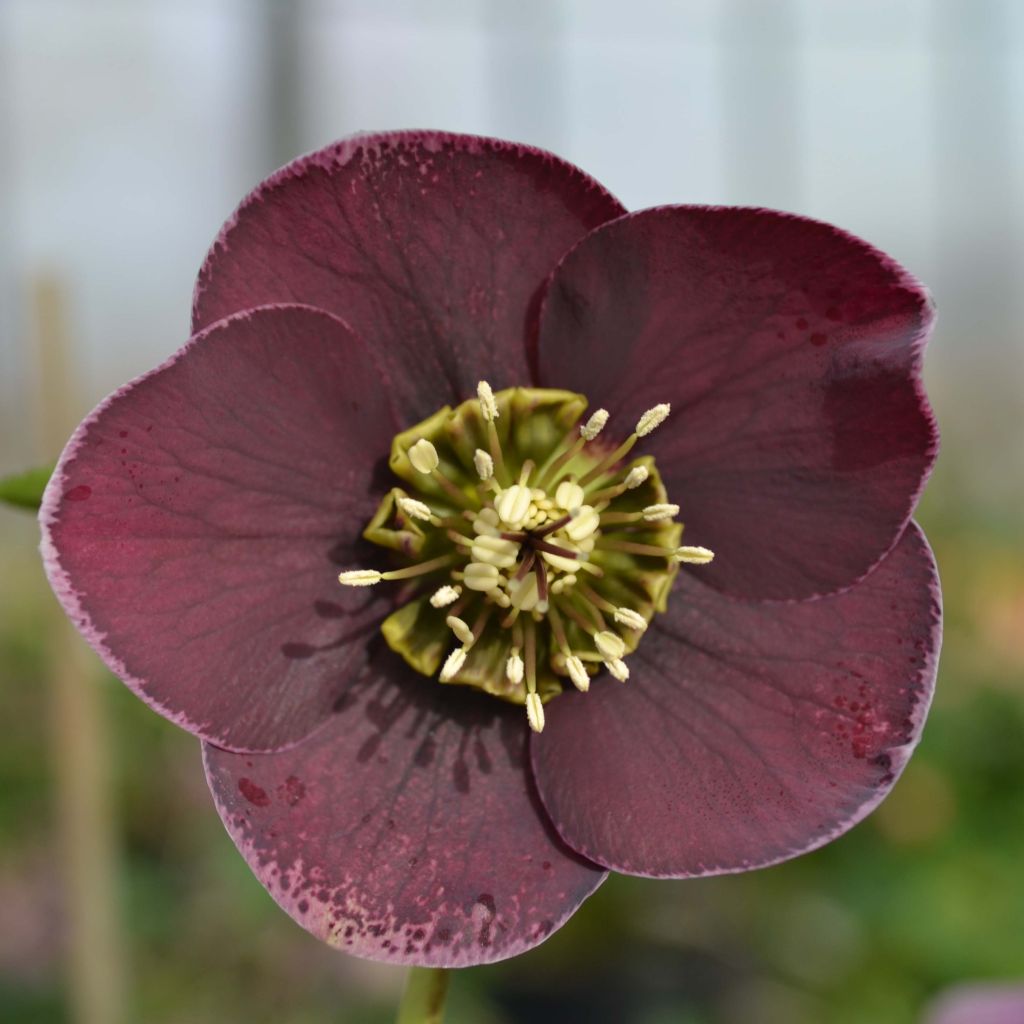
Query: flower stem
x=423 y=999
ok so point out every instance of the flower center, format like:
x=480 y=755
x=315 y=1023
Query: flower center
x=536 y=544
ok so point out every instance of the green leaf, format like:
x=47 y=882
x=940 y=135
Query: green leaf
x=25 y=490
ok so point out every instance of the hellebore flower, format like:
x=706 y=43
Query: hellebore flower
x=199 y=518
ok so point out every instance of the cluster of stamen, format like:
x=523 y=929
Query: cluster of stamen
x=523 y=551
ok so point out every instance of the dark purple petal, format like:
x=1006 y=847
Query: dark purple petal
x=980 y=1003
x=195 y=523
x=432 y=246
x=407 y=829
x=800 y=436
x=748 y=732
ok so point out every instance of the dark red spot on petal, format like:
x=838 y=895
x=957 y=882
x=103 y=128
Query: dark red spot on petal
x=292 y=790
x=819 y=339
x=328 y=610
x=425 y=752
x=80 y=493
x=253 y=793
x=483 y=759
x=297 y=651
x=368 y=749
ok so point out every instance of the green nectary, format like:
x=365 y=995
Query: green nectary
x=518 y=530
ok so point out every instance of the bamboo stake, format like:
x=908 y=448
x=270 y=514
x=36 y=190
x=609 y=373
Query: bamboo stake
x=79 y=735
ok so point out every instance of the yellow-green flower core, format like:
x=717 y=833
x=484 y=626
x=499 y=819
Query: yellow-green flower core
x=532 y=553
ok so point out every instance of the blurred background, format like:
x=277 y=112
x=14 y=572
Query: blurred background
x=131 y=129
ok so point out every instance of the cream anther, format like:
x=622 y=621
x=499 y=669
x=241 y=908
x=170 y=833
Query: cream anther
x=693 y=555
x=488 y=406
x=484 y=464
x=423 y=456
x=569 y=495
x=415 y=509
x=584 y=522
x=563 y=583
x=630 y=619
x=514 y=668
x=534 y=519
x=452 y=664
x=535 y=712
x=577 y=673
x=523 y=593
x=635 y=477
x=594 y=425
x=513 y=504
x=486 y=522
x=618 y=668
x=495 y=550
x=608 y=645
x=658 y=513
x=444 y=596
x=360 y=577
x=461 y=629
x=652 y=419
x=561 y=562
x=481 y=576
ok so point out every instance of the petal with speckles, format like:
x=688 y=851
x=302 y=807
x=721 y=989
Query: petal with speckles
x=194 y=525
x=748 y=733
x=433 y=246
x=800 y=434
x=407 y=829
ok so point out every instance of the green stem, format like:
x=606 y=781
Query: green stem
x=424 y=996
